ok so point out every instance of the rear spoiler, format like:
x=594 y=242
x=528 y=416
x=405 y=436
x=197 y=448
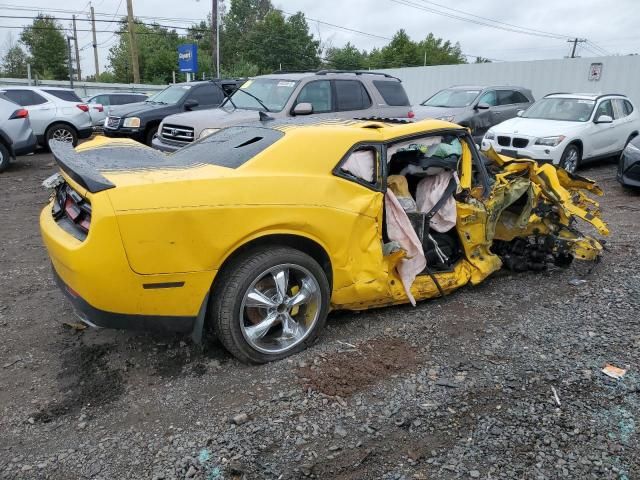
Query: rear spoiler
x=77 y=166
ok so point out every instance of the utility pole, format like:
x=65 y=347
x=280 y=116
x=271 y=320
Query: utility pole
x=69 y=60
x=575 y=42
x=215 y=38
x=95 y=43
x=75 y=35
x=133 y=43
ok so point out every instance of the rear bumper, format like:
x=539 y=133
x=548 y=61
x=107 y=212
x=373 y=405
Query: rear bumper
x=103 y=319
x=26 y=146
x=95 y=275
x=85 y=132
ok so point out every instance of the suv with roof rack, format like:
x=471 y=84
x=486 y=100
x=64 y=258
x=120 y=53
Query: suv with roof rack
x=326 y=93
x=567 y=129
x=55 y=113
x=140 y=121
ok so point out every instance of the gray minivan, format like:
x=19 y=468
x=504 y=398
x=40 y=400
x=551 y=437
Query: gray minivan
x=478 y=108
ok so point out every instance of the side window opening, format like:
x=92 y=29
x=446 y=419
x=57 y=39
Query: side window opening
x=351 y=95
x=66 y=95
x=392 y=93
x=605 y=108
x=362 y=164
x=318 y=94
x=489 y=98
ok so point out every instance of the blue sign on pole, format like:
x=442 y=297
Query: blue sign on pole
x=188 y=57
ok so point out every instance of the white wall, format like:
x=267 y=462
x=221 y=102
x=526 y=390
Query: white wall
x=619 y=75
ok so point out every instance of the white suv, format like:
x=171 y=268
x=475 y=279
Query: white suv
x=567 y=129
x=54 y=112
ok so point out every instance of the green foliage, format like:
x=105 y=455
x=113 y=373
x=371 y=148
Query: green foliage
x=345 y=58
x=14 y=63
x=47 y=46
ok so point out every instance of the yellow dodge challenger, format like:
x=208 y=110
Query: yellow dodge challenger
x=256 y=232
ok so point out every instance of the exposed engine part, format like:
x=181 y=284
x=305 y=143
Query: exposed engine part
x=533 y=253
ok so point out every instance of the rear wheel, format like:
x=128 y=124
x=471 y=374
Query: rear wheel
x=570 y=159
x=4 y=158
x=269 y=304
x=62 y=133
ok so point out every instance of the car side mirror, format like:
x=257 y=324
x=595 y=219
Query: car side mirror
x=304 y=108
x=483 y=106
x=604 y=119
x=190 y=104
x=519 y=113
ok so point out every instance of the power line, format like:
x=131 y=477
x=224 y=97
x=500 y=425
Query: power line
x=478 y=22
x=497 y=21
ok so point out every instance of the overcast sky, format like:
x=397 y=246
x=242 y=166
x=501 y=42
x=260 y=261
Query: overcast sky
x=613 y=29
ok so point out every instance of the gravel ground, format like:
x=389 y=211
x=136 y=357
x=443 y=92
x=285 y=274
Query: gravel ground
x=461 y=387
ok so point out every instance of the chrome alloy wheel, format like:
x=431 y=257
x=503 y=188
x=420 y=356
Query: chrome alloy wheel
x=62 y=135
x=280 y=308
x=571 y=161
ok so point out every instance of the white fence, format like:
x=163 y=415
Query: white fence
x=579 y=75
x=85 y=89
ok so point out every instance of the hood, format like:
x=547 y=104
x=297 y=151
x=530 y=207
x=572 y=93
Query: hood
x=214 y=118
x=422 y=111
x=139 y=108
x=536 y=127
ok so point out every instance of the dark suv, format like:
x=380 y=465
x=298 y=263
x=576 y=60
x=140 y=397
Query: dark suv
x=140 y=121
x=475 y=107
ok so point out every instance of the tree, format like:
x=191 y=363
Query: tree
x=440 y=52
x=157 y=54
x=14 y=62
x=345 y=58
x=47 y=46
x=400 y=52
x=482 y=60
x=277 y=43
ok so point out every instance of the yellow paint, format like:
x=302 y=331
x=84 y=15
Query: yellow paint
x=170 y=225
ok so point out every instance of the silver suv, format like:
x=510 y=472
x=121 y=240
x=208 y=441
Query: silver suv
x=476 y=107
x=16 y=136
x=327 y=93
x=55 y=113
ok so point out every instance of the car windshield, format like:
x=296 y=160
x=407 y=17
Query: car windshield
x=452 y=98
x=272 y=92
x=170 y=95
x=564 y=109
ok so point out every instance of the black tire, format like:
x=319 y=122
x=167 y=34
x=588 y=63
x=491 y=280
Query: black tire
x=151 y=132
x=5 y=158
x=61 y=131
x=235 y=280
x=567 y=160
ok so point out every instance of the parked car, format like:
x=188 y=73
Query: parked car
x=99 y=104
x=16 y=135
x=567 y=129
x=140 y=121
x=260 y=229
x=475 y=107
x=629 y=164
x=328 y=93
x=55 y=113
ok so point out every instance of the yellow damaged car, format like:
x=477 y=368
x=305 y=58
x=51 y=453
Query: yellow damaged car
x=256 y=232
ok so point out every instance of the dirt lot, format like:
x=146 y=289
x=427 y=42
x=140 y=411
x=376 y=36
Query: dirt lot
x=461 y=387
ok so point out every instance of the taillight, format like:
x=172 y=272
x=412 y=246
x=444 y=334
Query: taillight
x=83 y=106
x=411 y=114
x=20 y=113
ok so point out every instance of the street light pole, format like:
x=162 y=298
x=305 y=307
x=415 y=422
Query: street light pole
x=69 y=38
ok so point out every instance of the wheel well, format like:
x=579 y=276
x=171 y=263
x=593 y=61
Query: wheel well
x=306 y=245
x=151 y=124
x=63 y=123
x=578 y=143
